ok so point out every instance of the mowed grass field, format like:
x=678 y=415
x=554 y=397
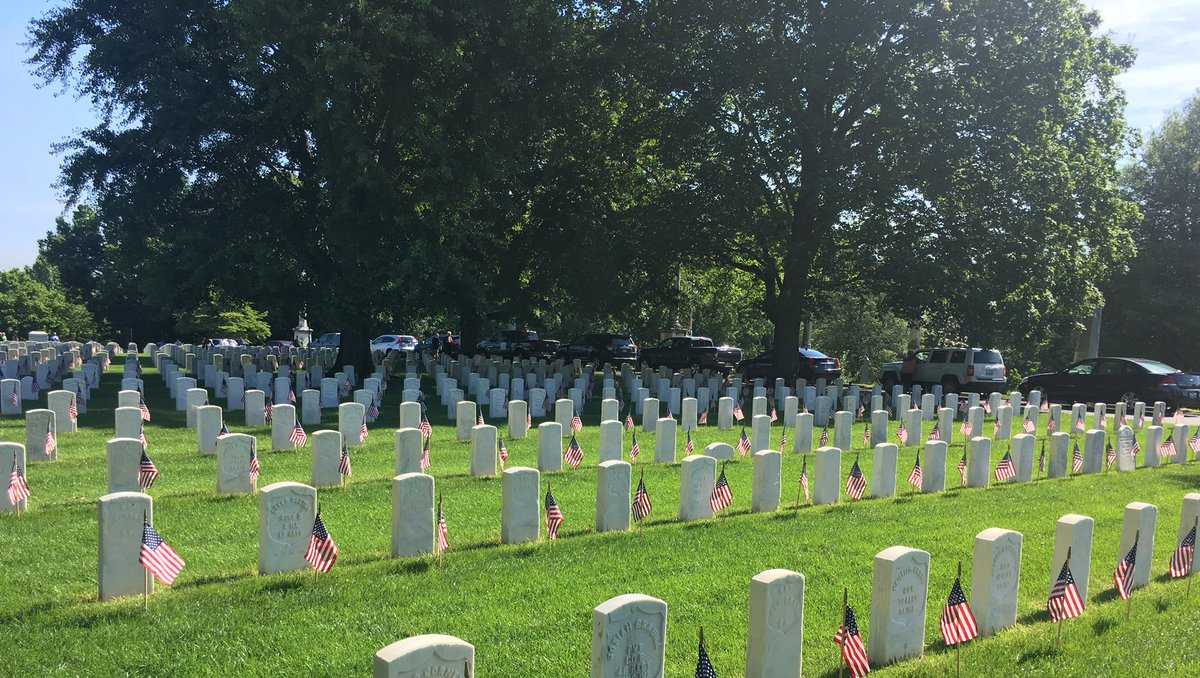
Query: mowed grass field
x=527 y=609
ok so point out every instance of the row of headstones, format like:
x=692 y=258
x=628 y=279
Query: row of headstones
x=629 y=632
x=84 y=380
x=281 y=389
x=243 y=357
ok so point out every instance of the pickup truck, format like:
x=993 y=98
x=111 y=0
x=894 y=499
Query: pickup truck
x=680 y=352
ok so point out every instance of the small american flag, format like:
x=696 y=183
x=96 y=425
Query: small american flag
x=1051 y=425
x=51 y=444
x=855 y=482
x=1076 y=460
x=965 y=428
x=1030 y=426
x=14 y=399
x=159 y=559
x=824 y=437
x=737 y=413
x=298 y=437
x=345 y=469
x=1166 y=448
x=962 y=467
x=1194 y=441
x=1005 y=470
x=224 y=430
x=322 y=552
x=574 y=453
x=503 y=450
x=147 y=472
x=1064 y=602
x=854 y=653
x=915 y=476
x=902 y=434
x=689 y=447
x=634 y=448
x=958 y=622
x=1045 y=405
x=1123 y=576
x=629 y=419
x=425 y=461
x=936 y=433
x=1042 y=458
x=145 y=410
x=427 y=428
x=554 y=516
x=1110 y=454
x=72 y=410
x=443 y=537
x=774 y=415
x=576 y=423
x=804 y=480
x=704 y=667
x=641 y=501
x=867 y=435
x=743 y=445
x=1182 y=558
x=255 y=467
x=703 y=420
x=1120 y=418
x=1079 y=425
x=292 y=397
x=268 y=411
x=479 y=417
x=1133 y=451
x=528 y=421
x=987 y=407
x=142 y=437
x=996 y=428
x=362 y=431
x=783 y=440
x=372 y=412
x=722 y=495
x=18 y=489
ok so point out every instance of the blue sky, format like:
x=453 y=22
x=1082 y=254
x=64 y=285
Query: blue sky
x=32 y=119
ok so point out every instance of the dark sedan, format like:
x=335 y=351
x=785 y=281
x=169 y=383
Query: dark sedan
x=601 y=348
x=1111 y=380
x=810 y=365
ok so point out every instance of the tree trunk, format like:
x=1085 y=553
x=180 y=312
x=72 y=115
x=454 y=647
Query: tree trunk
x=355 y=350
x=470 y=328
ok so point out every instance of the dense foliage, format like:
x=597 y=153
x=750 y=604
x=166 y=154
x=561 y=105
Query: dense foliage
x=594 y=165
x=33 y=299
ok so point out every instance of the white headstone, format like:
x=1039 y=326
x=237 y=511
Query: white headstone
x=286 y=513
x=900 y=586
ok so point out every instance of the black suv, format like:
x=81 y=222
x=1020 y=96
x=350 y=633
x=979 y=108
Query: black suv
x=680 y=352
x=602 y=348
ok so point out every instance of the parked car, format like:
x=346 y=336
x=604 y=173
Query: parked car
x=280 y=343
x=974 y=370
x=1111 y=380
x=701 y=352
x=811 y=365
x=601 y=348
x=222 y=343
x=389 y=344
x=328 y=340
x=510 y=343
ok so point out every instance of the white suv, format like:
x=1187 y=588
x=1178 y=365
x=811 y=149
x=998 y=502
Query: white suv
x=956 y=369
x=388 y=344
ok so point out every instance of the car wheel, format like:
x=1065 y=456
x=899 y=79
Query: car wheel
x=949 y=385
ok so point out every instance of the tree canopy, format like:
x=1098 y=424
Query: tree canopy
x=569 y=165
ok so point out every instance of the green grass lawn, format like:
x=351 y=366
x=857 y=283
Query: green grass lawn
x=527 y=609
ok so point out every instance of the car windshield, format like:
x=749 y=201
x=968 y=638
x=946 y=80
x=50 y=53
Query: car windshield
x=702 y=342
x=1155 y=367
x=620 y=342
x=988 y=358
x=387 y=338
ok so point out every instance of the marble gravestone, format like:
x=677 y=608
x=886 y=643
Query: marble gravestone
x=776 y=636
x=995 y=579
x=121 y=519
x=520 y=515
x=412 y=515
x=426 y=656
x=629 y=637
x=286 y=513
x=898 y=596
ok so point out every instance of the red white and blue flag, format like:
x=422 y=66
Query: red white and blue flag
x=159 y=559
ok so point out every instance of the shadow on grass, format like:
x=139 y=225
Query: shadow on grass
x=1103 y=625
x=24 y=615
x=1038 y=654
x=212 y=579
x=1105 y=596
x=282 y=586
x=1162 y=605
x=96 y=616
x=1034 y=617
